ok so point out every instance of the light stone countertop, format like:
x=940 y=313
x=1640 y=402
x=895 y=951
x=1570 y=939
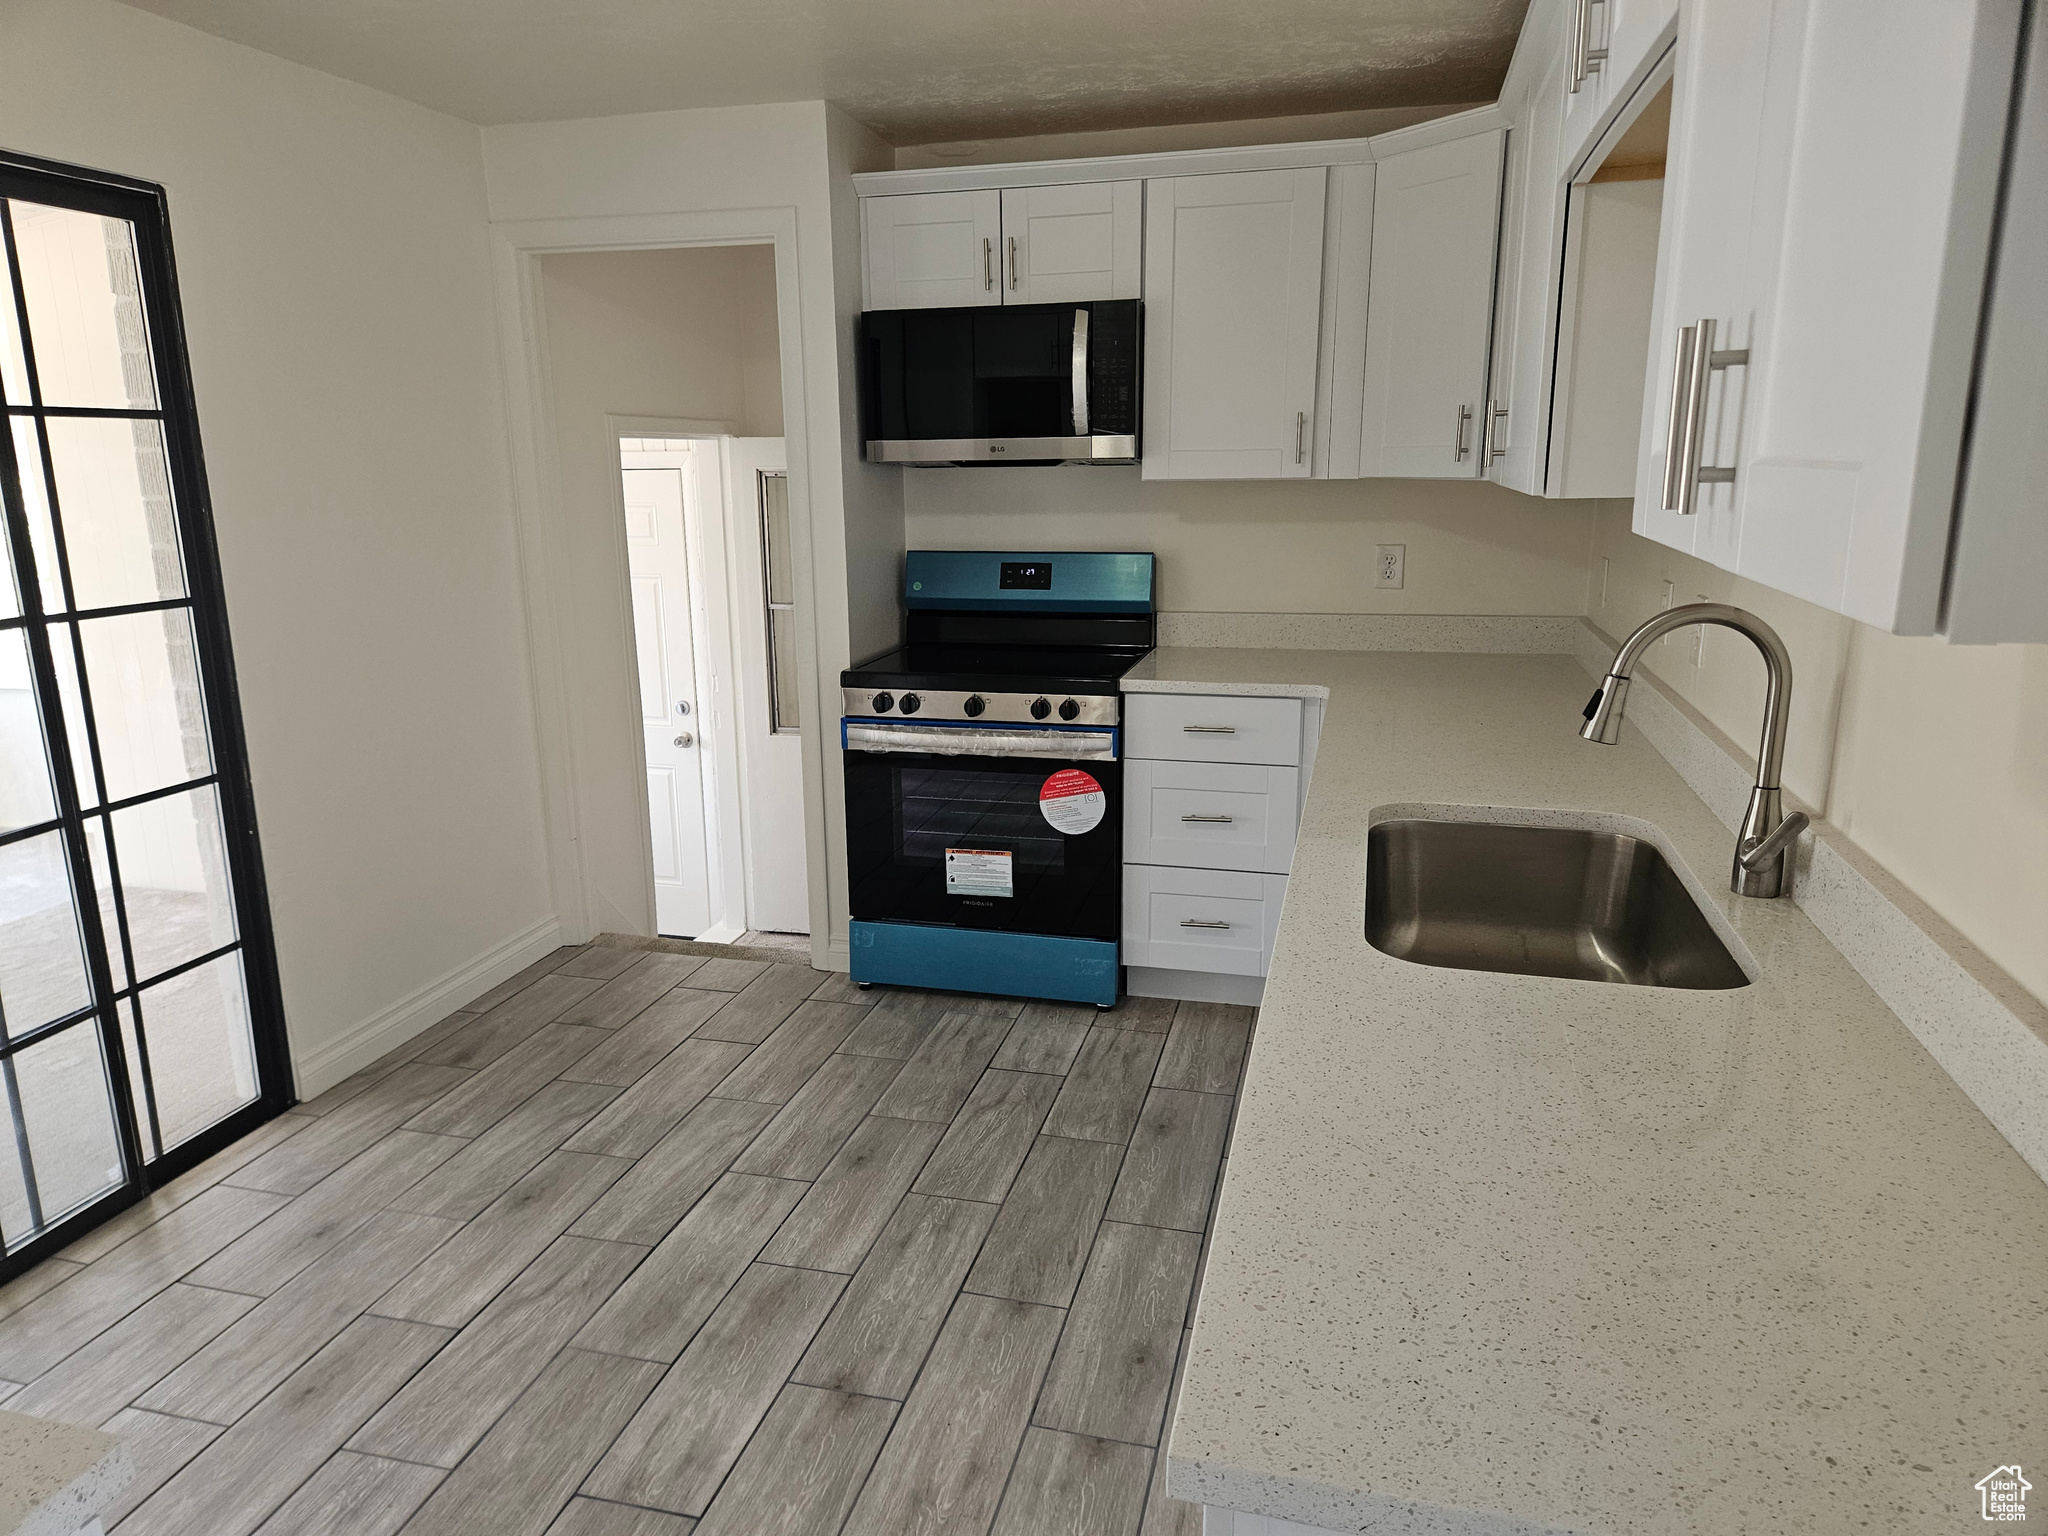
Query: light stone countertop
x=54 y=1477
x=1499 y=1254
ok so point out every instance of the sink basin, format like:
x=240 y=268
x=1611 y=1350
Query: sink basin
x=1538 y=901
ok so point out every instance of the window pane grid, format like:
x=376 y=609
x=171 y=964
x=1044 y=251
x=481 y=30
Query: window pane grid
x=98 y=482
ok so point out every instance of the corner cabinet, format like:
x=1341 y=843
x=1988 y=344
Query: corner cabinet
x=1233 y=297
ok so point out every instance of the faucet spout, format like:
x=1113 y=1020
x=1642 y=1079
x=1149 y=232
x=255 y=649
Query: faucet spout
x=1764 y=846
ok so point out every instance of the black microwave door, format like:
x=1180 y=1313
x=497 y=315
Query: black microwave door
x=906 y=811
x=1024 y=371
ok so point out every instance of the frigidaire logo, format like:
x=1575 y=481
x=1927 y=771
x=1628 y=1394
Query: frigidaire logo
x=2004 y=1493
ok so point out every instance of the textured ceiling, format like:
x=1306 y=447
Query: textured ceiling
x=916 y=71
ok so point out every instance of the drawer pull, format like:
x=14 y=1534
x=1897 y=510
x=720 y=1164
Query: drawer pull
x=1193 y=816
x=1213 y=730
x=1202 y=922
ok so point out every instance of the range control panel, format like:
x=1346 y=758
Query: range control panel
x=985 y=708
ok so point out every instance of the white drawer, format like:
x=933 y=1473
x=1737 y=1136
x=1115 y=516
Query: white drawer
x=1212 y=728
x=1200 y=919
x=1210 y=815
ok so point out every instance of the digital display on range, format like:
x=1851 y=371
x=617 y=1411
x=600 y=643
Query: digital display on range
x=1026 y=575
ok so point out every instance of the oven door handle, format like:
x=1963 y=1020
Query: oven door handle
x=979 y=741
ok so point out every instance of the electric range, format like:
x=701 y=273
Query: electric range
x=984 y=775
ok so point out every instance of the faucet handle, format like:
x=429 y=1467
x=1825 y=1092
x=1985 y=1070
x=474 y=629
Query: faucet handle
x=1767 y=848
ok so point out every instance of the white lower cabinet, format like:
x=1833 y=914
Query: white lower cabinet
x=1213 y=788
x=1211 y=815
x=1219 y=920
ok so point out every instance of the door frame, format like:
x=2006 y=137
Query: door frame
x=543 y=526
x=713 y=651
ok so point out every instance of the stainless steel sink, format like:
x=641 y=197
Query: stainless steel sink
x=1538 y=901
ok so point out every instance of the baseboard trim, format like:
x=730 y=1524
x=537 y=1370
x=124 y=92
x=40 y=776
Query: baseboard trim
x=1193 y=986
x=317 y=1071
x=1984 y=1030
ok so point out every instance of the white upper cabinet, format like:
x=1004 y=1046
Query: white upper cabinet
x=1233 y=292
x=1429 y=309
x=1833 y=185
x=1532 y=238
x=933 y=249
x=1608 y=45
x=1074 y=243
x=1705 y=315
x=1024 y=245
x=1877 y=193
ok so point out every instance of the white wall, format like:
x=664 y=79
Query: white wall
x=1283 y=546
x=332 y=254
x=686 y=332
x=793 y=156
x=1932 y=757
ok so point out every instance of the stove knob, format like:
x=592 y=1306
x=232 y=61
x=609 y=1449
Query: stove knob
x=911 y=703
x=1040 y=708
x=883 y=703
x=1069 y=709
x=974 y=706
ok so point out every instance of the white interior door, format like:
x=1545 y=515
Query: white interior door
x=658 y=563
x=768 y=698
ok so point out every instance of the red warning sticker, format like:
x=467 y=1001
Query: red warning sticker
x=1072 y=801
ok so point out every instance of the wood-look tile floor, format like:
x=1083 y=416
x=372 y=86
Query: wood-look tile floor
x=644 y=1244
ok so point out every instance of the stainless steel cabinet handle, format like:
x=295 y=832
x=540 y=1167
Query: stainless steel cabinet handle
x=685 y=739
x=1214 y=730
x=1300 y=436
x=1684 y=474
x=1680 y=421
x=1193 y=817
x=1496 y=431
x=1464 y=423
x=1585 y=57
x=1202 y=922
x=1013 y=263
x=1080 y=372
x=988 y=263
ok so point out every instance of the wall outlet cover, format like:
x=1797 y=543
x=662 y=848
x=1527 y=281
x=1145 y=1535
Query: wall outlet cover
x=1390 y=566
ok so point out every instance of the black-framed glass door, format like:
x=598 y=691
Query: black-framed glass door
x=140 y=1024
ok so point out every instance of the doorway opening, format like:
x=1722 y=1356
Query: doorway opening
x=716 y=673
x=665 y=371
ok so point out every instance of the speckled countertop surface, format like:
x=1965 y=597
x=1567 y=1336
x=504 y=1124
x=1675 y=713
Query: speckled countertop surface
x=1500 y=1254
x=54 y=1477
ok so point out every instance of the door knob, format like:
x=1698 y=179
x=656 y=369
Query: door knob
x=685 y=739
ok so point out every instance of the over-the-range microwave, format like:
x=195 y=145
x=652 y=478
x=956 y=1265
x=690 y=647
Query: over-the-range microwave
x=1002 y=384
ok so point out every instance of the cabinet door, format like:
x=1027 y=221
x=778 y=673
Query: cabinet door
x=933 y=249
x=1429 y=312
x=1525 y=316
x=1071 y=244
x=1603 y=336
x=1703 y=273
x=1873 y=232
x=1233 y=290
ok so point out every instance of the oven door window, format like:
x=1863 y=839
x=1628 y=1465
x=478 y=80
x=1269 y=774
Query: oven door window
x=906 y=812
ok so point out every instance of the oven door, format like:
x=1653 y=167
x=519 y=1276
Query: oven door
x=957 y=839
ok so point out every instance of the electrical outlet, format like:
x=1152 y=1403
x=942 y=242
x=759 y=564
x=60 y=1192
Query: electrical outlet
x=1390 y=564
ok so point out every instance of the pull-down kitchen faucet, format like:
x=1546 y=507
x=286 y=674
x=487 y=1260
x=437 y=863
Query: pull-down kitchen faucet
x=1763 y=847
